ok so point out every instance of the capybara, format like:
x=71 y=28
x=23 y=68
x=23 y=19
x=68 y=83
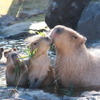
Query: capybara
x=40 y=73
x=16 y=71
x=1 y=52
x=74 y=65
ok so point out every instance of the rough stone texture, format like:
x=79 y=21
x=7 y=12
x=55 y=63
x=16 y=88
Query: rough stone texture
x=7 y=20
x=21 y=29
x=11 y=93
x=29 y=14
x=64 y=12
x=89 y=23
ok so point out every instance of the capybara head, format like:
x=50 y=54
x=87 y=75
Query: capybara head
x=66 y=37
x=11 y=55
x=42 y=44
x=1 y=50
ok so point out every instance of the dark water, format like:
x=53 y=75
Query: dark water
x=21 y=46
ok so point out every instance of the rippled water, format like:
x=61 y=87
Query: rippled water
x=21 y=46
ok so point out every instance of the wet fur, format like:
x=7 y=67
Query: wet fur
x=11 y=78
x=39 y=69
x=75 y=65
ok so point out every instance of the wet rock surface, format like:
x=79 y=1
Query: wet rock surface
x=89 y=23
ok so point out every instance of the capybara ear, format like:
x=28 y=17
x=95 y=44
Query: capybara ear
x=6 y=52
x=2 y=49
x=14 y=49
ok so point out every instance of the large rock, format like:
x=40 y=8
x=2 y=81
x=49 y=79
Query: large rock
x=21 y=29
x=7 y=20
x=64 y=12
x=89 y=23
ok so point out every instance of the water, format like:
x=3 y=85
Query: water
x=21 y=46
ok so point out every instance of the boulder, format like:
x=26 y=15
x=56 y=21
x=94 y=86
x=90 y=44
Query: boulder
x=64 y=12
x=7 y=20
x=21 y=29
x=89 y=23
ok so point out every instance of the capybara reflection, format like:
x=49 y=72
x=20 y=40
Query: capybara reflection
x=74 y=63
x=40 y=73
x=16 y=71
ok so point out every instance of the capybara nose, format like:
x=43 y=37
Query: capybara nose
x=14 y=55
x=47 y=38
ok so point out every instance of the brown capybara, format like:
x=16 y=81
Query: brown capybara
x=1 y=52
x=40 y=73
x=74 y=65
x=16 y=71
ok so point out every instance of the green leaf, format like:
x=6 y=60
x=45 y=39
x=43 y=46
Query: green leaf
x=41 y=33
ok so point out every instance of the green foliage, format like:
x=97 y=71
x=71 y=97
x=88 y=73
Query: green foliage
x=17 y=70
x=41 y=33
x=68 y=91
x=29 y=53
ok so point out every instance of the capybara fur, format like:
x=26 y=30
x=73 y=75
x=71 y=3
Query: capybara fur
x=40 y=73
x=74 y=65
x=1 y=52
x=16 y=71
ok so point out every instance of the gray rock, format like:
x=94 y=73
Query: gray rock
x=64 y=12
x=29 y=14
x=21 y=29
x=26 y=94
x=90 y=93
x=89 y=23
x=7 y=20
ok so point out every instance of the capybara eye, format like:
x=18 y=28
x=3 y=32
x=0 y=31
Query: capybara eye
x=74 y=37
x=14 y=55
x=47 y=38
x=35 y=43
x=58 y=30
x=2 y=49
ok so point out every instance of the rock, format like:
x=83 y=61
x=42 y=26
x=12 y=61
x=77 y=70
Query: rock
x=64 y=12
x=25 y=94
x=21 y=29
x=7 y=20
x=90 y=93
x=11 y=93
x=89 y=23
x=29 y=14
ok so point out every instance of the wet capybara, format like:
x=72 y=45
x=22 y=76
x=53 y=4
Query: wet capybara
x=40 y=73
x=16 y=71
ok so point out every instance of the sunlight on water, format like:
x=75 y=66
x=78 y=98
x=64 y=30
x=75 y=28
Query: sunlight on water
x=21 y=46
